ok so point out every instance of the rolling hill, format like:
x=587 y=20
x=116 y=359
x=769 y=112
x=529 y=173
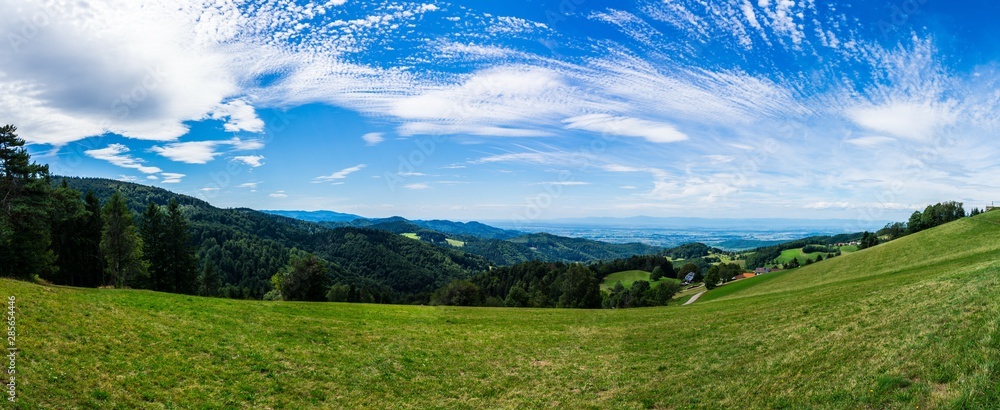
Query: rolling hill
x=914 y=323
x=249 y=246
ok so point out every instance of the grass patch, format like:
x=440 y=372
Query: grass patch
x=629 y=277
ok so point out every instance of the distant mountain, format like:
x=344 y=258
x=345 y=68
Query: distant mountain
x=846 y=225
x=473 y=228
x=337 y=219
x=316 y=216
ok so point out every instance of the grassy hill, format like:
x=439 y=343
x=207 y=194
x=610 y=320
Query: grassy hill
x=627 y=278
x=914 y=323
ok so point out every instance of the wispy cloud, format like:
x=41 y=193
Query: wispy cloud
x=117 y=154
x=201 y=152
x=373 y=138
x=253 y=161
x=342 y=174
x=172 y=177
x=626 y=127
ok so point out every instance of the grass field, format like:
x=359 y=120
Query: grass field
x=627 y=278
x=914 y=323
x=453 y=242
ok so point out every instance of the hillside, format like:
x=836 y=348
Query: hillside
x=914 y=323
x=248 y=247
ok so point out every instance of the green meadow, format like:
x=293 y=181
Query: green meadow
x=627 y=278
x=789 y=254
x=914 y=323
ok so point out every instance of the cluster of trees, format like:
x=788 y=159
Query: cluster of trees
x=641 y=294
x=57 y=234
x=658 y=265
x=721 y=273
x=573 y=285
x=531 y=284
x=934 y=215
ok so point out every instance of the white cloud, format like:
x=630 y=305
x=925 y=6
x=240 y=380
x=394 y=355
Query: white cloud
x=152 y=177
x=629 y=187
x=195 y=152
x=209 y=189
x=870 y=141
x=342 y=174
x=116 y=154
x=720 y=159
x=172 y=177
x=912 y=121
x=241 y=116
x=251 y=185
x=250 y=160
x=626 y=127
x=373 y=138
x=202 y=152
x=141 y=75
x=563 y=183
x=279 y=194
x=827 y=205
x=419 y=186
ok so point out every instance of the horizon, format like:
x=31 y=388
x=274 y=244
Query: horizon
x=518 y=111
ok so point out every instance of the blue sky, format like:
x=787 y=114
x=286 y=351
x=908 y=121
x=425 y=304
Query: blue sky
x=517 y=109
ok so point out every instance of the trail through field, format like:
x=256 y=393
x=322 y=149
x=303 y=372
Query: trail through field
x=694 y=298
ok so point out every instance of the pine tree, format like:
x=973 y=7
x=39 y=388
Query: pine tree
x=209 y=281
x=181 y=265
x=121 y=244
x=68 y=217
x=92 y=265
x=152 y=230
x=24 y=211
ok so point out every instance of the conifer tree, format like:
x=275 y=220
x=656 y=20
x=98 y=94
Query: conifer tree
x=121 y=244
x=152 y=231
x=181 y=265
x=24 y=211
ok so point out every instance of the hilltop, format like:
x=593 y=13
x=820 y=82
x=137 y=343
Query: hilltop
x=912 y=323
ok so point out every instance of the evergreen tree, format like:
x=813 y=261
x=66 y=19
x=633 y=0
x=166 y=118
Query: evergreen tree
x=121 y=244
x=209 y=281
x=24 y=211
x=68 y=217
x=181 y=265
x=152 y=230
x=92 y=265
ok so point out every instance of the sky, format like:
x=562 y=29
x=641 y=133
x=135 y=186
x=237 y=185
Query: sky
x=517 y=110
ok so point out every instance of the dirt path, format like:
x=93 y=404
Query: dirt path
x=694 y=298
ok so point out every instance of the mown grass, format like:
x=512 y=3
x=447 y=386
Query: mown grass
x=914 y=323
